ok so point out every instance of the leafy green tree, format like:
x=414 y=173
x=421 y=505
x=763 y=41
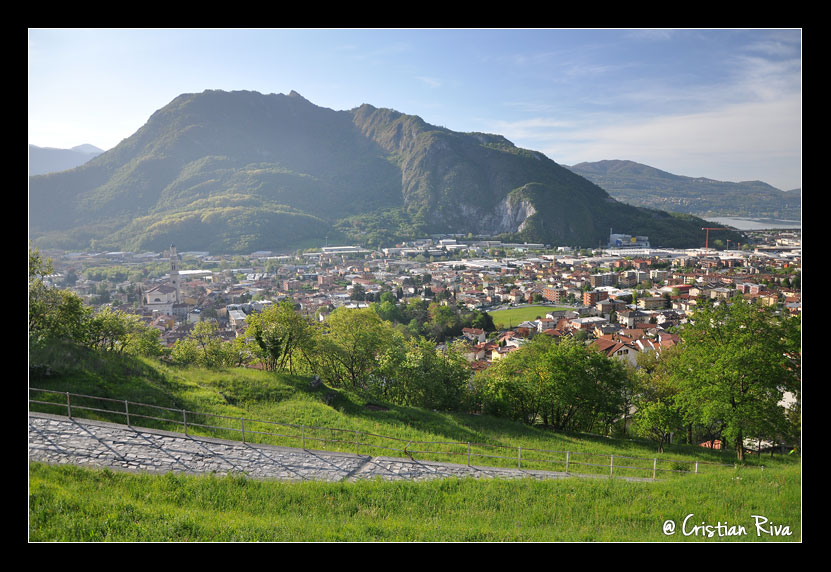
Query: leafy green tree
x=388 y=296
x=443 y=322
x=387 y=310
x=348 y=345
x=482 y=321
x=563 y=384
x=184 y=352
x=145 y=341
x=657 y=415
x=282 y=336
x=203 y=347
x=53 y=313
x=205 y=335
x=414 y=328
x=733 y=367
x=358 y=293
x=414 y=372
x=109 y=329
x=237 y=352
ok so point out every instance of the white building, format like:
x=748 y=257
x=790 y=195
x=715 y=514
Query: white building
x=627 y=240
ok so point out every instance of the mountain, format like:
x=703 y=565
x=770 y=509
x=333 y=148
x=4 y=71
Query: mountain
x=50 y=160
x=641 y=185
x=242 y=171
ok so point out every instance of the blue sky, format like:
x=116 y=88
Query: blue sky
x=722 y=104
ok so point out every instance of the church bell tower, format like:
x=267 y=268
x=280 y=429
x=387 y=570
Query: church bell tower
x=174 y=272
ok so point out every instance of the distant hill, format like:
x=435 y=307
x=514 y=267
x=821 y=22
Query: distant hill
x=242 y=171
x=44 y=160
x=641 y=185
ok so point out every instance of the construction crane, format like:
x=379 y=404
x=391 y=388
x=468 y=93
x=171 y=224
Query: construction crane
x=708 y=229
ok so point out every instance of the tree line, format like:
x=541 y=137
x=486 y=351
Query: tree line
x=57 y=314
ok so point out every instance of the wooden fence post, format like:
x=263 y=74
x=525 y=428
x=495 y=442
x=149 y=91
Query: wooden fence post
x=567 y=460
x=185 y=419
x=654 y=467
x=68 y=406
x=127 y=412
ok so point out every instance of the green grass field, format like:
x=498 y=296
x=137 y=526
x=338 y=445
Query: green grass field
x=73 y=504
x=513 y=316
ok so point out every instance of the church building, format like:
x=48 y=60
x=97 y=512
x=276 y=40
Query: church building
x=167 y=298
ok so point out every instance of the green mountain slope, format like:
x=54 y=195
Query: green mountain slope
x=242 y=171
x=645 y=186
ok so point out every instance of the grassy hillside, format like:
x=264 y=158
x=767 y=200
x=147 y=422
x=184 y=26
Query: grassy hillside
x=268 y=396
x=74 y=504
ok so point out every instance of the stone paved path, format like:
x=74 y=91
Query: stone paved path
x=60 y=440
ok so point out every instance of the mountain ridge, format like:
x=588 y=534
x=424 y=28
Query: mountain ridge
x=642 y=185
x=242 y=171
x=44 y=160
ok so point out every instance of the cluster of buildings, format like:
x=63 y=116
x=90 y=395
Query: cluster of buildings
x=622 y=301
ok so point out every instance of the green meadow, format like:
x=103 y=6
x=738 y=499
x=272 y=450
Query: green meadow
x=74 y=504
x=514 y=316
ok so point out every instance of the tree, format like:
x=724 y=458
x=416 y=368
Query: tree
x=203 y=346
x=358 y=293
x=414 y=372
x=387 y=309
x=109 y=329
x=348 y=344
x=282 y=336
x=205 y=334
x=483 y=321
x=53 y=313
x=443 y=322
x=56 y=314
x=564 y=384
x=657 y=415
x=734 y=364
x=145 y=341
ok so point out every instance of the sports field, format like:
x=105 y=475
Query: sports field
x=514 y=316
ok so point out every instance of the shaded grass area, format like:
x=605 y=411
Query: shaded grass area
x=76 y=504
x=335 y=420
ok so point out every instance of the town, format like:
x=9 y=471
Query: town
x=623 y=300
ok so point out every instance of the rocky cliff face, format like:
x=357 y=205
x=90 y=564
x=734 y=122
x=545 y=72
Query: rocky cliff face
x=509 y=216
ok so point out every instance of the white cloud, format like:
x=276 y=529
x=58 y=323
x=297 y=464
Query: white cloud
x=430 y=81
x=738 y=142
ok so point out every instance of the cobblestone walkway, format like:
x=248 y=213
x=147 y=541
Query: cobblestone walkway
x=60 y=440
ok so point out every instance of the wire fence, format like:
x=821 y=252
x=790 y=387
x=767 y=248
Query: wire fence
x=247 y=430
